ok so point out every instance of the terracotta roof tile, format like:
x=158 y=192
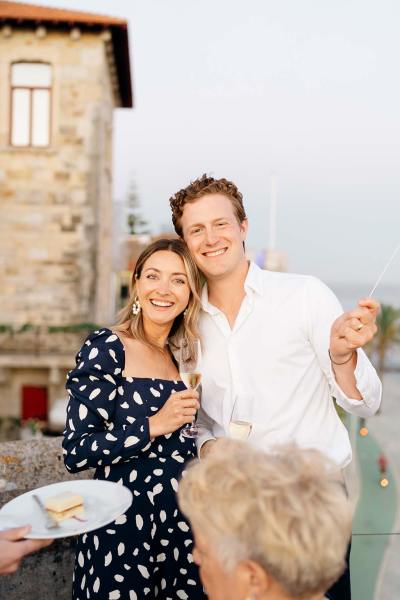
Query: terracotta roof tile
x=28 y=14
x=31 y=12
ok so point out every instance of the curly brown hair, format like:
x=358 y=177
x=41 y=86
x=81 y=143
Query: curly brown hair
x=201 y=187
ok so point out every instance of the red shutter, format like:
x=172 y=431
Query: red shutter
x=34 y=402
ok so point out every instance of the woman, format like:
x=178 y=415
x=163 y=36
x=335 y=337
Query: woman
x=267 y=527
x=126 y=409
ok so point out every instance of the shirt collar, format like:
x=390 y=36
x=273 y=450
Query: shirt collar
x=254 y=279
x=253 y=282
x=206 y=306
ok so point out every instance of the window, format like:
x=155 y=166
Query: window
x=123 y=288
x=30 y=104
x=34 y=402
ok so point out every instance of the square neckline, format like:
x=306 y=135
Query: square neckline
x=126 y=377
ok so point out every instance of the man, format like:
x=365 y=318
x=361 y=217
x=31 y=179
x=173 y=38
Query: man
x=13 y=548
x=276 y=346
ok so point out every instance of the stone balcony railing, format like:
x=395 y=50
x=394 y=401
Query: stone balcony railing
x=39 y=340
x=47 y=574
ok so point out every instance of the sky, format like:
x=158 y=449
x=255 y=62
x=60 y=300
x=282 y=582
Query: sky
x=308 y=91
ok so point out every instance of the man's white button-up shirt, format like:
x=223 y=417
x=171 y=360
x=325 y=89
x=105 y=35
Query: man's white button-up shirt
x=274 y=361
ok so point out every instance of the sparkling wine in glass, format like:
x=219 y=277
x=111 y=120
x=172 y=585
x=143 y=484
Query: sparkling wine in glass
x=190 y=373
x=240 y=424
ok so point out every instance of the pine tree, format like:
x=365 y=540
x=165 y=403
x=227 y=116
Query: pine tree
x=136 y=224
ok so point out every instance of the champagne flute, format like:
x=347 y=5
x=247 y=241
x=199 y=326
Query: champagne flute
x=240 y=424
x=190 y=373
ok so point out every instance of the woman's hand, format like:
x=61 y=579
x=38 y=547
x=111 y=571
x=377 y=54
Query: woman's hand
x=179 y=409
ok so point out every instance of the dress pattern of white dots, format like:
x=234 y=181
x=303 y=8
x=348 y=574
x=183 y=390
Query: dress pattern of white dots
x=145 y=553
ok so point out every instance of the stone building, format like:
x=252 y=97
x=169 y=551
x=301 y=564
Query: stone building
x=61 y=75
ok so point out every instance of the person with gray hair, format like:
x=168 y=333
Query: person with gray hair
x=267 y=526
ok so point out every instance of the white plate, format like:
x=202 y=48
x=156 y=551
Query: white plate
x=104 y=501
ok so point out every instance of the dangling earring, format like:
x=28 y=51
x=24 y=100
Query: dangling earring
x=136 y=308
x=185 y=312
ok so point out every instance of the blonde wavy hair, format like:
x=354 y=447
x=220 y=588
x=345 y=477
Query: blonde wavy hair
x=184 y=328
x=287 y=511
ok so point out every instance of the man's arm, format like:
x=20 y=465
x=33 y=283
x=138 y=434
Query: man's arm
x=206 y=437
x=354 y=384
x=350 y=331
x=13 y=548
x=207 y=447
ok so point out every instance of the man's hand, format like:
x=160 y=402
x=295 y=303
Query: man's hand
x=13 y=548
x=206 y=448
x=353 y=329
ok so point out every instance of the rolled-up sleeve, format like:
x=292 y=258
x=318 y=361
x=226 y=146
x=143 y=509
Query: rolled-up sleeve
x=323 y=308
x=205 y=425
x=368 y=384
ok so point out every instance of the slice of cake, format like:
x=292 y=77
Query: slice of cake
x=64 y=506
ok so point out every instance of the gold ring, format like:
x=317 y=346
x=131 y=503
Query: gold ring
x=361 y=325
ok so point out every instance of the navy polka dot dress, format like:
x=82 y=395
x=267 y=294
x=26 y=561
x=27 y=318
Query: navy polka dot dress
x=147 y=552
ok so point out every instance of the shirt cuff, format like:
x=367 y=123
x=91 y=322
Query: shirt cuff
x=202 y=439
x=367 y=383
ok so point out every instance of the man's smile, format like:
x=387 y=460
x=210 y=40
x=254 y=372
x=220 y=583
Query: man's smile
x=212 y=253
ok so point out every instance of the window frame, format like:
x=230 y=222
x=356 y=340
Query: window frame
x=30 y=89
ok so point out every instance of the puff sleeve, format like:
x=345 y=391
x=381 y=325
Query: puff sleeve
x=94 y=387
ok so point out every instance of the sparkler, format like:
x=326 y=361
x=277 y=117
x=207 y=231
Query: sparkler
x=385 y=268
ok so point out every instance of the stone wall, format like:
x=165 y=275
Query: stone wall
x=46 y=575
x=55 y=206
x=55 y=202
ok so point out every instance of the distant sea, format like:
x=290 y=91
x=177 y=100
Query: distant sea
x=349 y=293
